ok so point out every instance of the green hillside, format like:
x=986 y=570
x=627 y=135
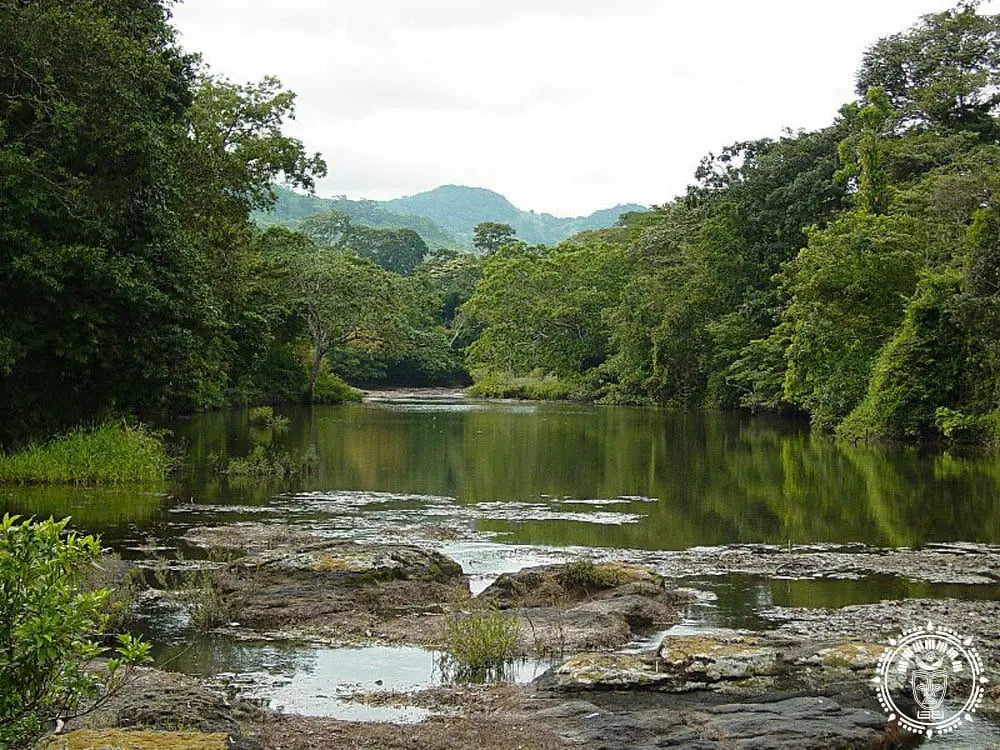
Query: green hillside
x=443 y=217
x=292 y=207
x=458 y=209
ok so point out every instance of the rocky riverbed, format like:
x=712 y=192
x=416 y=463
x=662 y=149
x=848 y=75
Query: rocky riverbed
x=623 y=671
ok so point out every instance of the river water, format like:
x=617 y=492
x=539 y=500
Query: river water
x=501 y=485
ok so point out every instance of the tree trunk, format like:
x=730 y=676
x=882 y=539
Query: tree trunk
x=314 y=373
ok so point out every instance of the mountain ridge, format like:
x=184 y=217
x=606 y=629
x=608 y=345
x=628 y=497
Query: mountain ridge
x=444 y=216
x=458 y=208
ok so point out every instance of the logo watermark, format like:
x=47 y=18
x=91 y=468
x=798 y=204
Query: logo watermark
x=930 y=680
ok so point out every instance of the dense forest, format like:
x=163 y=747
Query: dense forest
x=851 y=274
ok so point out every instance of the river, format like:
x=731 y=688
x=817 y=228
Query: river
x=501 y=485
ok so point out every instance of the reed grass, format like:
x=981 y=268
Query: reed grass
x=108 y=454
x=479 y=646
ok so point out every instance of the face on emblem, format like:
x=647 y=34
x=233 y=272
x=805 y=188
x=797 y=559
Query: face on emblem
x=929 y=687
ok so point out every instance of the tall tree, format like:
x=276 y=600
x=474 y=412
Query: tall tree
x=125 y=188
x=489 y=236
x=943 y=72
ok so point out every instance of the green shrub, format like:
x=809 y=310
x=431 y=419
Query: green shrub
x=264 y=416
x=479 y=645
x=208 y=602
x=51 y=625
x=330 y=389
x=108 y=454
x=534 y=387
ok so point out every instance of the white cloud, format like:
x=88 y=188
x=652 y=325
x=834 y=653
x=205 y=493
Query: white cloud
x=562 y=105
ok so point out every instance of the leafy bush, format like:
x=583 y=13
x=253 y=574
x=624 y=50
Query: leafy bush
x=479 y=645
x=534 y=387
x=264 y=416
x=110 y=453
x=49 y=628
x=332 y=390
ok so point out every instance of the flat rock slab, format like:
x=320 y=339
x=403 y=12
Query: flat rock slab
x=246 y=537
x=730 y=663
x=963 y=563
x=343 y=591
x=353 y=564
x=167 y=701
x=611 y=720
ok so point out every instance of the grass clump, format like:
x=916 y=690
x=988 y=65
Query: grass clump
x=209 y=604
x=479 y=646
x=584 y=575
x=108 y=454
x=264 y=416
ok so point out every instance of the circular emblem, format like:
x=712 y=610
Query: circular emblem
x=930 y=680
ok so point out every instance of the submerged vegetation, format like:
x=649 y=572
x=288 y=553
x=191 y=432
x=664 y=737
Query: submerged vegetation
x=109 y=454
x=264 y=417
x=265 y=462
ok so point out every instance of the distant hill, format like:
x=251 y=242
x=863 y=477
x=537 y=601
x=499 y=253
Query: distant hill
x=292 y=207
x=457 y=209
x=445 y=216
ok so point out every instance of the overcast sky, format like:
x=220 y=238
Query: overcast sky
x=563 y=106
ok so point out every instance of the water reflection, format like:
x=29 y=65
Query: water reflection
x=514 y=470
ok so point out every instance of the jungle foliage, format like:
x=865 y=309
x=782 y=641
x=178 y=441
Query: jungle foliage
x=850 y=273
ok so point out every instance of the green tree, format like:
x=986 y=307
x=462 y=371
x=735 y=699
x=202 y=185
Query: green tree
x=124 y=234
x=489 y=236
x=542 y=309
x=343 y=300
x=943 y=72
x=396 y=250
x=849 y=288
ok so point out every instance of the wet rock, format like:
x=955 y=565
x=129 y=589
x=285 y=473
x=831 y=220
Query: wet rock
x=584 y=606
x=354 y=564
x=725 y=690
x=344 y=591
x=605 y=672
x=875 y=624
x=570 y=582
x=852 y=655
x=681 y=664
x=616 y=720
x=963 y=563
x=738 y=665
x=702 y=660
x=154 y=699
x=640 y=612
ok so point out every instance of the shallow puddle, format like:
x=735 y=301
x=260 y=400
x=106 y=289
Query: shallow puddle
x=320 y=681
